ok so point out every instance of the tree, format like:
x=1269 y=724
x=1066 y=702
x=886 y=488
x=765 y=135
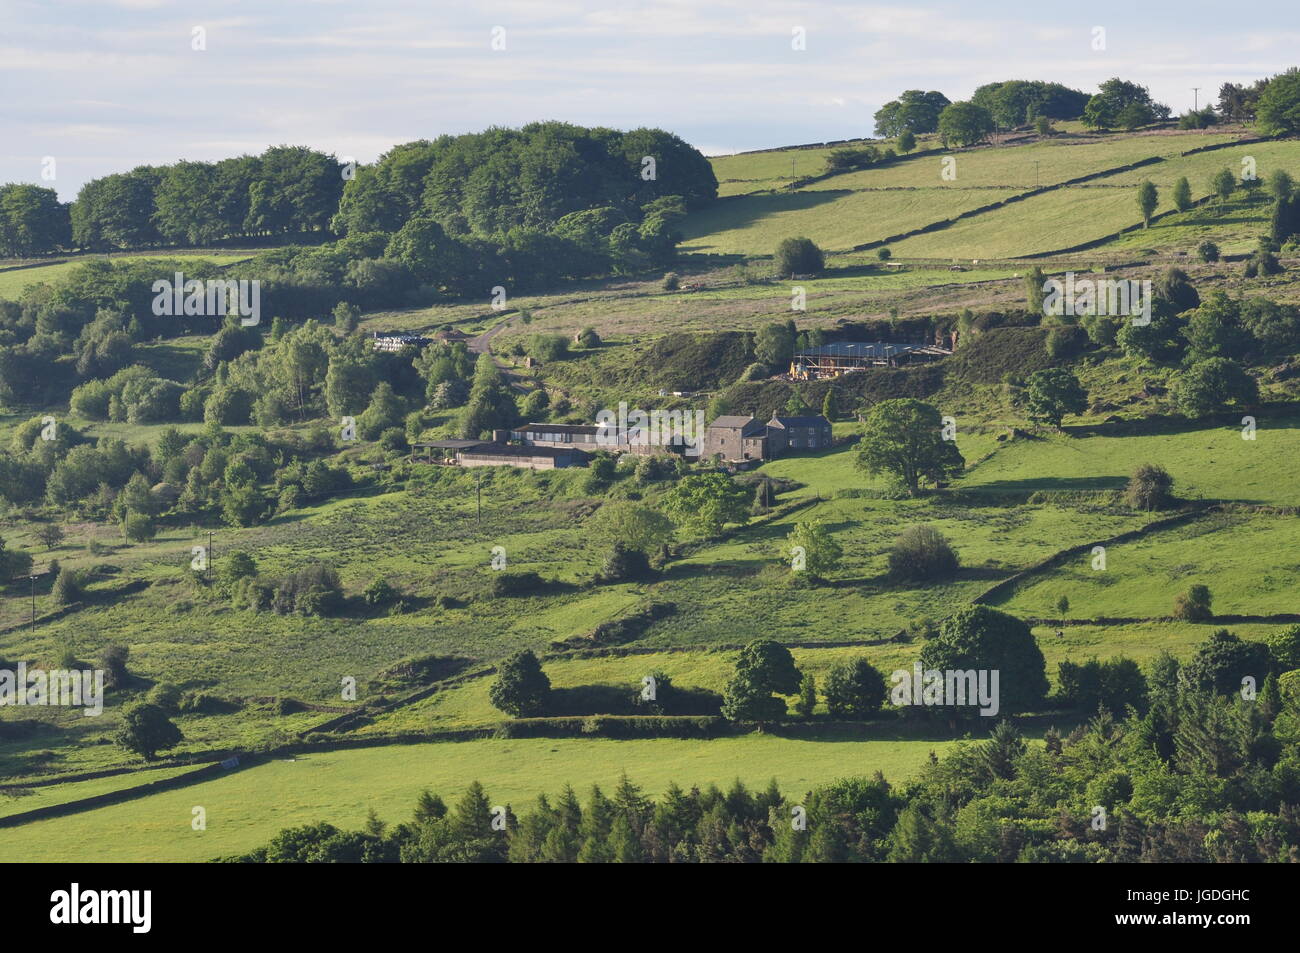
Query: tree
x=769 y=666
x=67 y=587
x=906 y=141
x=982 y=638
x=1284 y=646
x=1280 y=185
x=807 y=702
x=51 y=534
x=774 y=344
x=1182 y=194
x=829 y=409
x=1278 y=109
x=1147 y=200
x=1215 y=328
x=1207 y=251
x=1222 y=184
x=964 y=124
x=814 y=548
x=146 y=730
x=1110 y=108
x=1052 y=393
x=384 y=412
x=635 y=525
x=798 y=256
x=914 y=111
x=854 y=690
x=521 y=687
x=921 y=554
x=1150 y=488
x=1194 y=604
x=1212 y=385
x=904 y=439
x=1223 y=660
x=743 y=701
x=707 y=501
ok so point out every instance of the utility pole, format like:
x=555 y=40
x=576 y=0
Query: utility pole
x=33 y=600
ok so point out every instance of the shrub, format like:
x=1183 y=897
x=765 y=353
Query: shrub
x=625 y=563
x=521 y=687
x=799 y=256
x=166 y=696
x=922 y=554
x=1150 y=488
x=671 y=281
x=379 y=593
x=515 y=583
x=1194 y=604
x=588 y=338
x=548 y=347
x=138 y=527
x=67 y=587
x=1208 y=251
x=854 y=690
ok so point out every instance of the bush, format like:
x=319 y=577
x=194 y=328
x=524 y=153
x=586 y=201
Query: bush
x=521 y=687
x=854 y=690
x=922 y=554
x=799 y=256
x=379 y=593
x=515 y=583
x=1208 y=251
x=588 y=338
x=884 y=254
x=138 y=527
x=548 y=347
x=67 y=587
x=393 y=440
x=1194 y=604
x=671 y=281
x=625 y=563
x=1150 y=488
x=166 y=696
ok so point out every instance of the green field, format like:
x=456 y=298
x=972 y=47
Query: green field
x=250 y=806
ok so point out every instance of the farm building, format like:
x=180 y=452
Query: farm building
x=798 y=433
x=738 y=439
x=509 y=455
x=588 y=437
x=843 y=357
x=442 y=451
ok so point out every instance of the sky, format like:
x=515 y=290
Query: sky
x=101 y=86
